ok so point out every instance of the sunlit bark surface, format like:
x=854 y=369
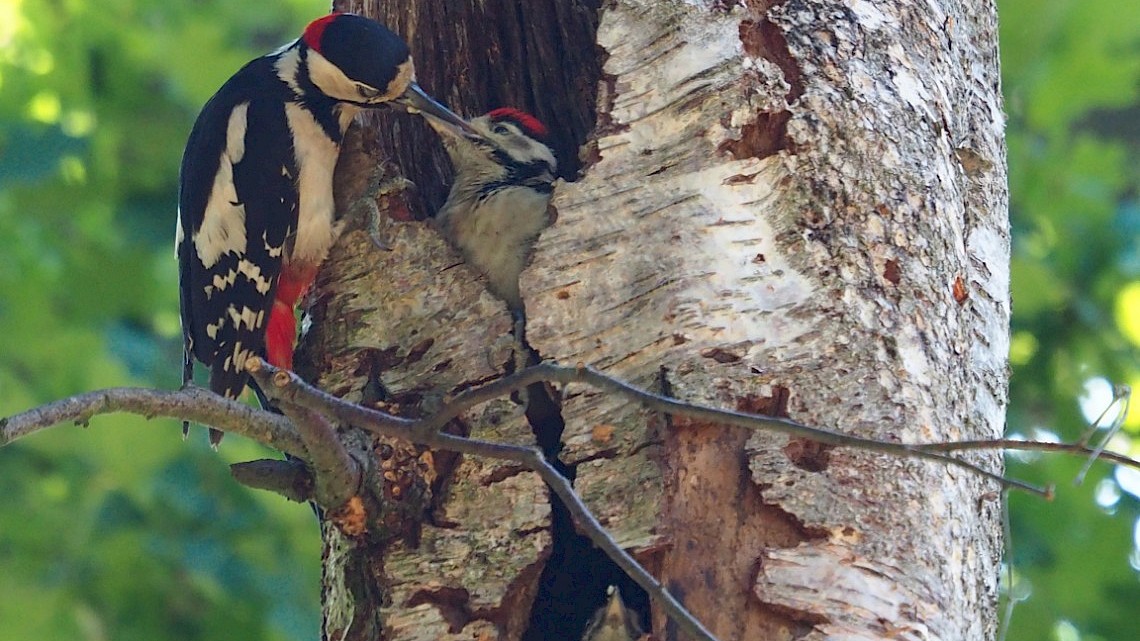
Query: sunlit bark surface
x=792 y=208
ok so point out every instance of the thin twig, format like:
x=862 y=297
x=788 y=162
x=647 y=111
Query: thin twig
x=191 y=403
x=1011 y=601
x=587 y=524
x=1075 y=449
x=1119 y=393
x=589 y=376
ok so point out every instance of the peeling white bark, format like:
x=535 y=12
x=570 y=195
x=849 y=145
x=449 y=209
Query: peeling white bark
x=861 y=266
x=793 y=207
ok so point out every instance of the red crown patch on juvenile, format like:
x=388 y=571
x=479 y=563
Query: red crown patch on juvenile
x=531 y=125
x=316 y=29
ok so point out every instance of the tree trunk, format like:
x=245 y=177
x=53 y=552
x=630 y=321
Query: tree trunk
x=791 y=208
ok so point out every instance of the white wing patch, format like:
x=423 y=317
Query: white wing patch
x=222 y=283
x=245 y=268
x=223 y=223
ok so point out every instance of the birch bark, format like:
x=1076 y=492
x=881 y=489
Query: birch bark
x=793 y=208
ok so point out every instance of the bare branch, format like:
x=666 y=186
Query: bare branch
x=337 y=475
x=309 y=435
x=289 y=478
x=294 y=390
x=191 y=403
x=290 y=388
x=582 y=374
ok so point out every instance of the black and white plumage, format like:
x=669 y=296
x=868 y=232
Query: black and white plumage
x=255 y=210
x=499 y=202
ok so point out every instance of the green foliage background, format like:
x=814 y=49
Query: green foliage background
x=124 y=532
x=1071 y=73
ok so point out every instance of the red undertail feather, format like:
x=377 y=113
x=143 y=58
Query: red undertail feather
x=280 y=334
x=282 y=330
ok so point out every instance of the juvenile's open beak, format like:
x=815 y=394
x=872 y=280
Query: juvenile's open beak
x=415 y=100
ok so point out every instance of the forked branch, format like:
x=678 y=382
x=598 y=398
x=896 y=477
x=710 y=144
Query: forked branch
x=307 y=428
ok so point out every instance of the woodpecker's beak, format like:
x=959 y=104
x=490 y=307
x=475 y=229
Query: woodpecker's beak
x=415 y=100
x=448 y=129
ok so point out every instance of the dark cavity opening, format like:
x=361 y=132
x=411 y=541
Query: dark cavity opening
x=539 y=56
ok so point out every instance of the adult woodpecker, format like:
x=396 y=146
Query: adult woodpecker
x=255 y=205
x=613 y=621
x=498 y=204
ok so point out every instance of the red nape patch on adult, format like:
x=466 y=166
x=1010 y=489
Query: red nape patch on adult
x=533 y=126
x=316 y=29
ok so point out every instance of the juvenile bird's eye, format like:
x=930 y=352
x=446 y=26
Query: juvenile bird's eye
x=367 y=92
x=502 y=130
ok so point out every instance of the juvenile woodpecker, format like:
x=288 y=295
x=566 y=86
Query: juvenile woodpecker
x=255 y=204
x=613 y=621
x=498 y=205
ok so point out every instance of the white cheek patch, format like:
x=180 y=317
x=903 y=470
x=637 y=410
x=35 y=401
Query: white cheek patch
x=540 y=151
x=223 y=222
x=335 y=84
x=405 y=74
x=330 y=79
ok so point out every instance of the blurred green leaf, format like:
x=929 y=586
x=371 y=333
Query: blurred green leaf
x=123 y=531
x=1071 y=73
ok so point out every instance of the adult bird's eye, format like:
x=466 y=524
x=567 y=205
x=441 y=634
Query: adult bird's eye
x=502 y=130
x=367 y=92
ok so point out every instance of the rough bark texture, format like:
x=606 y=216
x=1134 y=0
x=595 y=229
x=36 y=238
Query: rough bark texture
x=792 y=208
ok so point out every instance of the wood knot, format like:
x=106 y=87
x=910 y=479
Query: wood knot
x=281 y=378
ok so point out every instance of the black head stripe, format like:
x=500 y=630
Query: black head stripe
x=531 y=173
x=536 y=175
x=323 y=108
x=364 y=50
